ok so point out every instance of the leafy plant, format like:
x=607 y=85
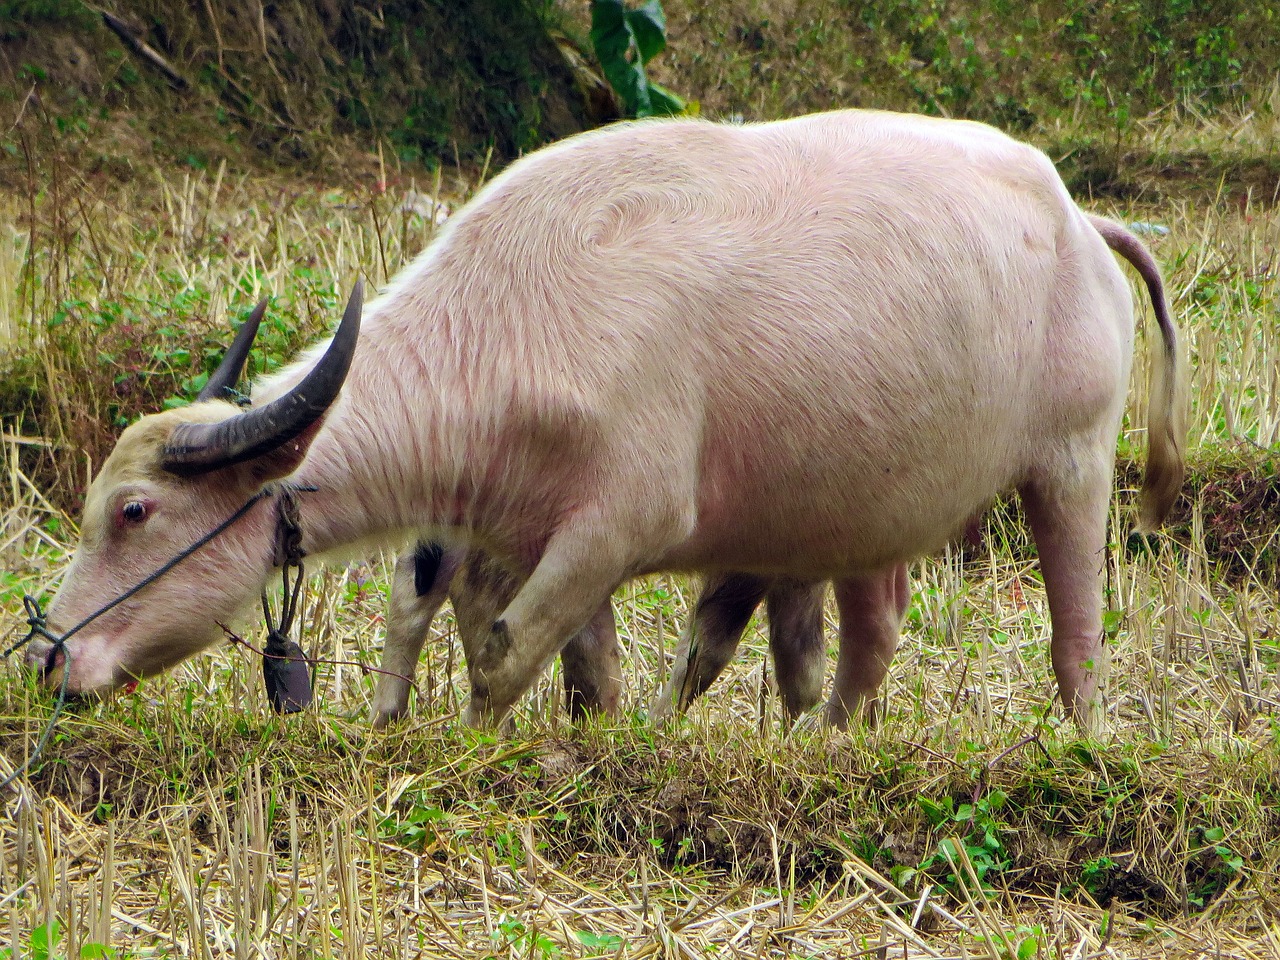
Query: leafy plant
x=530 y=941
x=599 y=944
x=1095 y=874
x=981 y=844
x=1028 y=941
x=415 y=829
x=625 y=40
x=46 y=944
x=1221 y=864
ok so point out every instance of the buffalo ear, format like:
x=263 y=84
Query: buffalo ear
x=281 y=461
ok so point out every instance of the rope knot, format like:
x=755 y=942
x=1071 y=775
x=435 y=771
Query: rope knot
x=288 y=551
x=38 y=627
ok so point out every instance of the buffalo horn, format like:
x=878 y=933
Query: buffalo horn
x=196 y=448
x=222 y=382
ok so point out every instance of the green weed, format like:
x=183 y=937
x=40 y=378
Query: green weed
x=45 y=943
x=625 y=40
x=981 y=845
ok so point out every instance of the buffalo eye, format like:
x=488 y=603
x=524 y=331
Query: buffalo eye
x=134 y=511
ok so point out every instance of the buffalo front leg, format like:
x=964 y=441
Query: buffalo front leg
x=582 y=564
x=710 y=639
x=418 y=590
x=480 y=592
x=871 y=610
x=796 y=639
x=591 y=661
x=1069 y=523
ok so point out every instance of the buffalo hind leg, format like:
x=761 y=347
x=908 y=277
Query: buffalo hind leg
x=871 y=611
x=709 y=641
x=1069 y=523
x=796 y=640
x=418 y=590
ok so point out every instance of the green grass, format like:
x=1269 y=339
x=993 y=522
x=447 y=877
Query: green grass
x=1093 y=77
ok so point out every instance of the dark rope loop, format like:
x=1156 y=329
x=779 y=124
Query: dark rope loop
x=36 y=621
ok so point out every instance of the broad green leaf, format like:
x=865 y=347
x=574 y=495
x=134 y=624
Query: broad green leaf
x=624 y=41
x=649 y=27
x=934 y=811
x=610 y=33
x=599 y=941
x=45 y=940
x=613 y=40
x=664 y=103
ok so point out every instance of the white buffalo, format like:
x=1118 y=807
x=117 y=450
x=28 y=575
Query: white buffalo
x=809 y=349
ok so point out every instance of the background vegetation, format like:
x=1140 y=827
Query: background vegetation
x=313 y=142
x=434 y=80
x=1018 y=65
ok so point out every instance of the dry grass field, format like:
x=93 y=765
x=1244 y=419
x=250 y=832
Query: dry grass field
x=185 y=820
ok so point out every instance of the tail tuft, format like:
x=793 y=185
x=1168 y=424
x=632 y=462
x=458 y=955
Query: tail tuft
x=1167 y=386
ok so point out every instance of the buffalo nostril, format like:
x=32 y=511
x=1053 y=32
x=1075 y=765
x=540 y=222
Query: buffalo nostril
x=55 y=658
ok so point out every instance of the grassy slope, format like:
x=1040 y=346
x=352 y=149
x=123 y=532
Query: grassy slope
x=294 y=85
x=1130 y=97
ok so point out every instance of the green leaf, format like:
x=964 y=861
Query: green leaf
x=599 y=941
x=613 y=40
x=649 y=27
x=664 y=103
x=1233 y=862
x=1111 y=620
x=624 y=41
x=44 y=941
x=611 y=36
x=1214 y=834
x=933 y=811
x=629 y=82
